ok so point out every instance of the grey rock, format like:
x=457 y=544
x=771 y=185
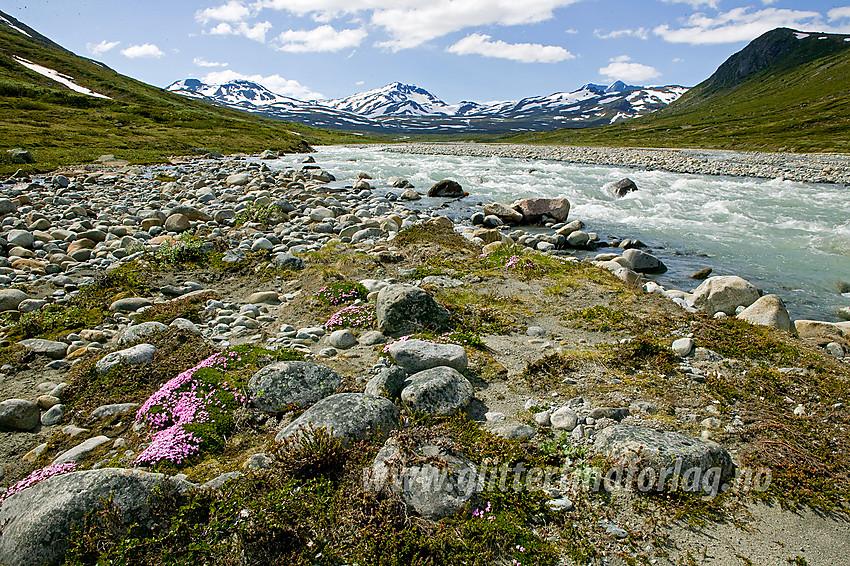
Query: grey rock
x=220 y=480
x=533 y=209
x=177 y=223
x=107 y=411
x=136 y=355
x=564 y=419
x=767 y=311
x=349 y=416
x=724 y=294
x=264 y=297
x=342 y=339
x=234 y=256
x=30 y=305
x=288 y=261
x=388 y=383
x=665 y=451
x=516 y=432
x=437 y=391
x=258 y=461
x=81 y=450
x=238 y=179
x=835 y=349
x=7 y=206
x=683 y=347
x=623 y=187
x=130 y=304
x=578 y=238
x=20 y=156
x=372 y=337
x=22 y=238
x=418 y=355
x=643 y=262
x=38 y=520
x=10 y=299
x=432 y=479
x=185 y=324
x=190 y=212
x=278 y=386
x=447 y=189
x=504 y=212
x=53 y=415
x=613 y=413
x=404 y=308
x=139 y=332
x=19 y=414
x=50 y=348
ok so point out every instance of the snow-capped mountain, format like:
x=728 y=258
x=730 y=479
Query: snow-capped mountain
x=399 y=108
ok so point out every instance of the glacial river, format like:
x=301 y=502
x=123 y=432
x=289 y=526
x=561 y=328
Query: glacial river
x=788 y=238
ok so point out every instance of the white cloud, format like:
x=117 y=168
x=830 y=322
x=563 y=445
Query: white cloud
x=842 y=13
x=571 y=31
x=410 y=23
x=640 y=33
x=738 y=24
x=696 y=3
x=257 y=32
x=102 y=47
x=320 y=39
x=620 y=68
x=274 y=83
x=201 y=62
x=480 y=44
x=360 y=83
x=233 y=11
x=145 y=50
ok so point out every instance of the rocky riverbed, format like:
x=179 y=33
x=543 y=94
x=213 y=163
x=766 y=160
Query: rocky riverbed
x=191 y=324
x=802 y=167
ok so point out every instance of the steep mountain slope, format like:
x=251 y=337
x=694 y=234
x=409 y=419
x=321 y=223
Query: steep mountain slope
x=785 y=91
x=402 y=108
x=69 y=109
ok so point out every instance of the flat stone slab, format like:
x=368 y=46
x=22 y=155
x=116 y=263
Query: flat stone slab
x=80 y=450
x=418 y=355
x=136 y=355
x=50 y=348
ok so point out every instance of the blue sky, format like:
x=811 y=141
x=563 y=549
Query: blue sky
x=457 y=49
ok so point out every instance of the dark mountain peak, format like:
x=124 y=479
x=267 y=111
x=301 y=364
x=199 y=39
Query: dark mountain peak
x=779 y=48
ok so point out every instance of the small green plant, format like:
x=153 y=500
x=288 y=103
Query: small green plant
x=341 y=292
x=187 y=248
x=311 y=453
x=261 y=214
x=603 y=319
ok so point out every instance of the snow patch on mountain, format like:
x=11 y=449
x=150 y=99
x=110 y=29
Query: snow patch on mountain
x=58 y=77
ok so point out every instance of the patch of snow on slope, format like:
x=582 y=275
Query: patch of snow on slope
x=58 y=77
x=13 y=26
x=801 y=35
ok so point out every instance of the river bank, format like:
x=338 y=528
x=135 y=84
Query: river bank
x=120 y=280
x=802 y=167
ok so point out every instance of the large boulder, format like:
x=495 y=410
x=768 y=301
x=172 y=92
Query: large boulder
x=20 y=156
x=437 y=391
x=417 y=355
x=22 y=238
x=724 y=293
x=670 y=453
x=533 y=209
x=767 y=311
x=19 y=414
x=37 y=521
x=279 y=386
x=349 y=416
x=432 y=479
x=447 y=189
x=404 y=308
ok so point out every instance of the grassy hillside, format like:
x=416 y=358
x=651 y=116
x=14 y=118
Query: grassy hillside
x=780 y=93
x=141 y=123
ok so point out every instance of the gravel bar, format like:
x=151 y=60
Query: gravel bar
x=801 y=167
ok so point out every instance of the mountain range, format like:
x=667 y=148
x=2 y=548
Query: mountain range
x=403 y=108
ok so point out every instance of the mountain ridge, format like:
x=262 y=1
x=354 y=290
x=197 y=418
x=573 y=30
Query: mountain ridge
x=405 y=108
